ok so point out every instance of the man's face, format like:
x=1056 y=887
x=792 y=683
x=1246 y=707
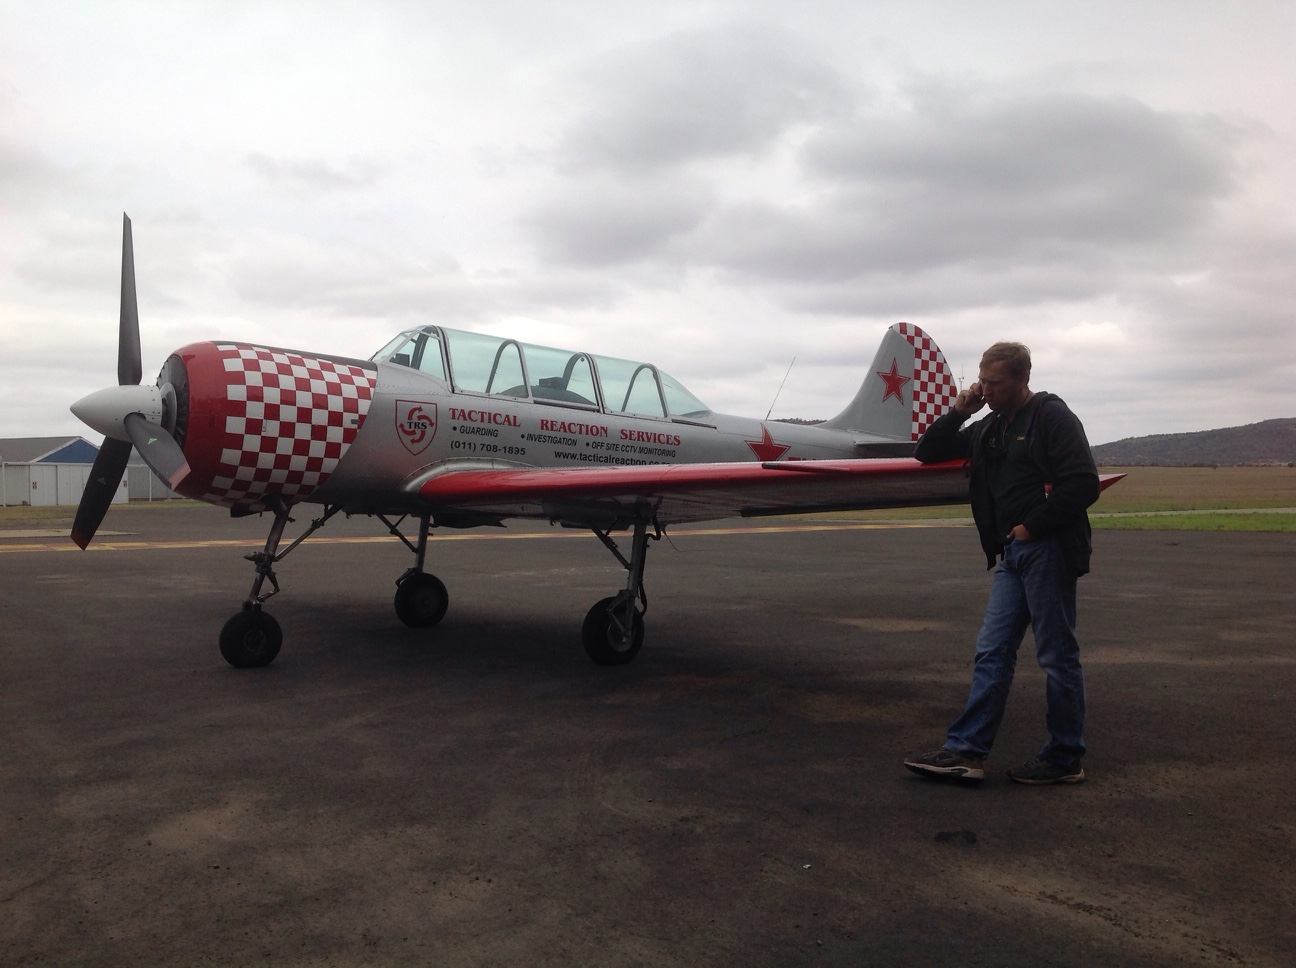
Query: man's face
x=1000 y=389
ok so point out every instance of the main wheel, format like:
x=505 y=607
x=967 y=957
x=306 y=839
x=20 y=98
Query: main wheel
x=421 y=600
x=605 y=641
x=251 y=639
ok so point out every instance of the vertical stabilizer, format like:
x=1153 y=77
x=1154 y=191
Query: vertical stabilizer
x=907 y=387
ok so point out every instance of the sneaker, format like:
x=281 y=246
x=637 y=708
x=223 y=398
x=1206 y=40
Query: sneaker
x=1040 y=772
x=949 y=765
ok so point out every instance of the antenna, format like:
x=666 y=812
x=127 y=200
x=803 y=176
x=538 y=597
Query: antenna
x=780 y=389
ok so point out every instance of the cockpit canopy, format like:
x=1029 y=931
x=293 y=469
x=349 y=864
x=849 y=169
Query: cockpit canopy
x=477 y=363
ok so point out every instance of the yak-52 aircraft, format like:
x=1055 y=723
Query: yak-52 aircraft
x=457 y=429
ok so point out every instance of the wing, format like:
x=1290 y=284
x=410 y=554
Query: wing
x=673 y=493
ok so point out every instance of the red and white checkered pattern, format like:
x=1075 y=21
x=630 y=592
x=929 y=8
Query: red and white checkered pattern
x=934 y=389
x=289 y=420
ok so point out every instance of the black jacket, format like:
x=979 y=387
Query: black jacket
x=1060 y=450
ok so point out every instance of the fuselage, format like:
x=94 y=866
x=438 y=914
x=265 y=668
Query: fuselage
x=258 y=423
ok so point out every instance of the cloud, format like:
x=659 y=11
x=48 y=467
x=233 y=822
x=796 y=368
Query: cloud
x=1009 y=143
x=281 y=273
x=315 y=174
x=698 y=94
x=959 y=196
x=637 y=167
x=74 y=254
x=602 y=221
x=989 y=179
x=26 y=174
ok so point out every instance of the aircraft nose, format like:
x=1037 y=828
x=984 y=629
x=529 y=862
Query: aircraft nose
x=106 y=410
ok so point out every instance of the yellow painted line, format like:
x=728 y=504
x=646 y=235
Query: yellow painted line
x=67 y=545
x=831 y=526
x=252 y=544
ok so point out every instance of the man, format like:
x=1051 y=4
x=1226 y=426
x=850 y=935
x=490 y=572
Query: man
x=1032 y=479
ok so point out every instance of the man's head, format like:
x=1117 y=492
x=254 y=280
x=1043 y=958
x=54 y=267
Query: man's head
x=1004 y=375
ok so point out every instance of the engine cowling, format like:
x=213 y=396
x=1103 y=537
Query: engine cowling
x=258 y=422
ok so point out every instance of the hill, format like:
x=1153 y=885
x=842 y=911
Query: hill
x=1267 y=442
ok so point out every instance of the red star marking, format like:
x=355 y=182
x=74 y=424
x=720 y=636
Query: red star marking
x=765 y=448
x=894 y=383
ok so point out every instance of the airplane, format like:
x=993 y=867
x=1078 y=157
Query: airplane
x=458 y=429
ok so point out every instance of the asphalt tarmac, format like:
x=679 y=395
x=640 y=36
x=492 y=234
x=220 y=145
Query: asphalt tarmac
x=481 y=794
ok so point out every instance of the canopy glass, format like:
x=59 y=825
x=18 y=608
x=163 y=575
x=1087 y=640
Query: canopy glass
x=477 y=363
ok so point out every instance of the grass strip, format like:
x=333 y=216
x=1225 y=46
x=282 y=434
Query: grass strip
x=1199 y=521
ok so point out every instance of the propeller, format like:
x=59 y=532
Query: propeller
x=127 y=415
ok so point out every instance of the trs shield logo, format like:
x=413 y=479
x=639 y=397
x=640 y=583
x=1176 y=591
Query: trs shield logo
x=416 y=424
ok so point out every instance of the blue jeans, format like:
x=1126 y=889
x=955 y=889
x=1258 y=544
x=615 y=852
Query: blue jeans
x=1032 y=586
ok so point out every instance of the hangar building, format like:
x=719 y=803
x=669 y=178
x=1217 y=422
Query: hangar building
x=43 y=471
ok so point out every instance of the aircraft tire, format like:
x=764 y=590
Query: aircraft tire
x=421 y=600
x=602 y=640
x=251 y=639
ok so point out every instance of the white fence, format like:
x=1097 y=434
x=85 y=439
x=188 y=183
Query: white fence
x=45 y=485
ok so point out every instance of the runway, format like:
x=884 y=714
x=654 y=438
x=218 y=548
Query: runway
x=481 y=794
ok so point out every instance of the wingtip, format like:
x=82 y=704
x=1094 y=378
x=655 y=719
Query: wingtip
x=80 y=538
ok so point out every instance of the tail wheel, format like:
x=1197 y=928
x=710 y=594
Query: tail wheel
x=606 y=638
x=251 y=639
x=421 y=600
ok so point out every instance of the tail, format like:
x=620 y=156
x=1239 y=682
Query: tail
x=908 y=386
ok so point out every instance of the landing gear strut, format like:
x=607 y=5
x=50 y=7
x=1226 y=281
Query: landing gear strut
x=613 y=629
x=252 y=637
x=612 y=632
x=421 y=599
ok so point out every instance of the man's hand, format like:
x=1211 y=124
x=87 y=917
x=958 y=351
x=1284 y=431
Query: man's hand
x=1019 y=533
x=969 y=400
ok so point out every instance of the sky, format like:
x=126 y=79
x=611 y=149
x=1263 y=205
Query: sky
x=715 y=187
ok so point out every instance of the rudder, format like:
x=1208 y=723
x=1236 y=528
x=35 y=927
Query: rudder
x=907 y=387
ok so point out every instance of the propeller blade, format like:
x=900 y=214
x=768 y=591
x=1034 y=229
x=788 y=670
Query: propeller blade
x=130 y=369
x=105 y=475
x=158 y=448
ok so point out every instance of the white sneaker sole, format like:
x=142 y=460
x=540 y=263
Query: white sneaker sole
x=1069 y=778
x=967 y=774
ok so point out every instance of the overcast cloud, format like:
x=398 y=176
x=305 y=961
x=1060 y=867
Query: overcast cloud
x=716 y=188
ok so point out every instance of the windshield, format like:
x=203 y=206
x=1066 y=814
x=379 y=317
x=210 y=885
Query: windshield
x=419 y=350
